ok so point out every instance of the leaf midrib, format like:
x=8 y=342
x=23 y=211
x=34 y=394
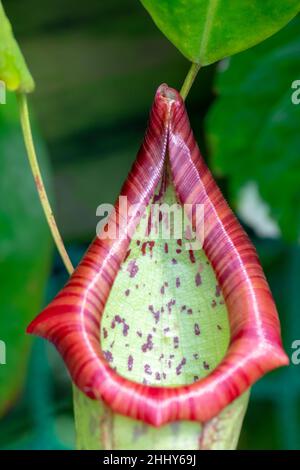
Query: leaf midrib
x=210 y=15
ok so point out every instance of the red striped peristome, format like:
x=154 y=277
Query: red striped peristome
x=72 y=320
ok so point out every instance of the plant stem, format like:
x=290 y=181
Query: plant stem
x=27 y=134
x=189 y=80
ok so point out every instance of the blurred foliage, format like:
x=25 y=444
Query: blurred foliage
x=253 y=126
x=272 y=420
x=208 y=30
x=96 y=79
x=13 y=70
x=24 y=268
x=40 y=420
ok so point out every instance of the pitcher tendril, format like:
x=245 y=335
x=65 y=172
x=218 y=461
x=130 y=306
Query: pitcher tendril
x=34 y=165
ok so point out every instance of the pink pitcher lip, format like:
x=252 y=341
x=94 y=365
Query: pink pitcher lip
x=72 y=320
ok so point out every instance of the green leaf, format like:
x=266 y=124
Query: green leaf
x=24 y=251
x=164 y=326
x=13 y=69
x=253 y=127
x=208 y=30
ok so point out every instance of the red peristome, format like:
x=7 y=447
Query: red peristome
x=72 y=320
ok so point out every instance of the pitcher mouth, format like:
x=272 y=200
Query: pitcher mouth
x=72 y=321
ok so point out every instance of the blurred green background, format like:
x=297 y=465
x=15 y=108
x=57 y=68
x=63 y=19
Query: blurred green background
x=97 y=65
